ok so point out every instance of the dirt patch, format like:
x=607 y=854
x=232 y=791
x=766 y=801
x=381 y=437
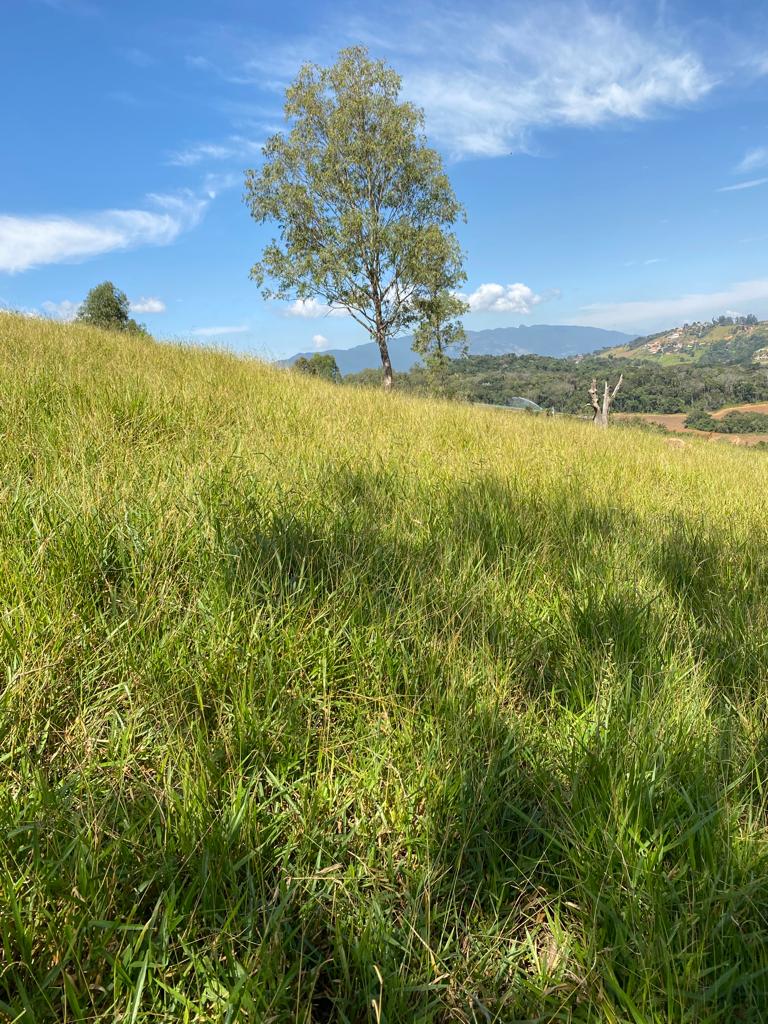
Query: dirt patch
x=676 y=422
x=761 y=407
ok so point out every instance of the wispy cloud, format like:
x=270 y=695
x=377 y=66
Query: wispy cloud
x=671 y=311
x=148 y=304
x=64 y=310
x=214 y=332
x=489 y=80
x=503 y=298
x=320 y=341
x=215 y=183
x=235 y=146
x=269 y=66
x=753 y=160
x=743 y=184
x=312 y=308
x=35 y=241
x=500 y=79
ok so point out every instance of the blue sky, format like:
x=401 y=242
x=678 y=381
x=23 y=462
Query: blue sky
x=612 y=158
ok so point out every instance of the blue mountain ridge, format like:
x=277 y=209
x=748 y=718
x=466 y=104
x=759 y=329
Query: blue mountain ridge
x=558 y=340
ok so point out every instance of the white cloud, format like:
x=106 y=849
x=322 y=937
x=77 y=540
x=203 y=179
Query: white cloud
x=753 y=160
x=212 y=332
x=148 y=304
x=27 y=242
x=488 y=80
x=9 y=308
x=311 y=308
x=235 y=146
x=669 y=312
x=215 y=183
x=487 y=83
x=744 y=184
x=503 y=298
x=65 y=310
x=320 y=341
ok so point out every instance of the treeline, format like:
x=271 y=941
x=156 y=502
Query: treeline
x=727 y=321
x=564 y=383
x=732 y=423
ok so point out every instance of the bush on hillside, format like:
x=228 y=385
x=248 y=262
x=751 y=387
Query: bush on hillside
x=319 y=365
x=107 y=307
x=732 y=423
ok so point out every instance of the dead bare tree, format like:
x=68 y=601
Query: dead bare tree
x=600 y=418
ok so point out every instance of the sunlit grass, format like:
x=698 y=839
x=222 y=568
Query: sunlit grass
x=325 y=705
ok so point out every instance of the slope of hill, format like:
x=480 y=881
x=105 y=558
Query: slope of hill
x=706 y=343
x=324 y=704
x=544 y=339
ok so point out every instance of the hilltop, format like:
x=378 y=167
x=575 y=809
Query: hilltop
x=542 y=339
x=324 y=704
x=727 y=341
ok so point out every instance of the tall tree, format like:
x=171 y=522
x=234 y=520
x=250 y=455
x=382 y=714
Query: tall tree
x=364 y=206
x=106 y=306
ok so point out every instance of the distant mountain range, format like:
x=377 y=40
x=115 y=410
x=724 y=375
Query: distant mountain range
x=539 y=339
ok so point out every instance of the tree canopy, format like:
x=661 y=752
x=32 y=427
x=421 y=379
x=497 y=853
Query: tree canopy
x=106 y=306
x=364 y=207
x=440 y=333
x=319 y=365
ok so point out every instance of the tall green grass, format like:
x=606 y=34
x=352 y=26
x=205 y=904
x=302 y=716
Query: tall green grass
x=325 y=705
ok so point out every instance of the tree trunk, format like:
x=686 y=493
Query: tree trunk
x=600 y=415
x=597 y=416
x=386 y=362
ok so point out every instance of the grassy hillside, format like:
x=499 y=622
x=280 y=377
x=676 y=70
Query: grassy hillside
x=325 y=705
x=705 y=344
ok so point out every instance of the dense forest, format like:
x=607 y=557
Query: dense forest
x=564 y=383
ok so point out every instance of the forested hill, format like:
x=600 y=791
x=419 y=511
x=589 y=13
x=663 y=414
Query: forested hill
x=722 y=341
x=649 y=386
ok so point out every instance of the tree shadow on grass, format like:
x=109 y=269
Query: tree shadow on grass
x=499 y=868
x=546 y=589
x=537 y=884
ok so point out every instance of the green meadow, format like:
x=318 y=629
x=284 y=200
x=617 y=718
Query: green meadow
x=321 y=704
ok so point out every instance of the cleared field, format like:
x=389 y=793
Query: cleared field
x=761 y=407
x=676 y=423
x=320 y=704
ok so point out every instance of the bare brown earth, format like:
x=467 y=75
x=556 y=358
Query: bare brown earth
x=747 y=407
x=676 y=423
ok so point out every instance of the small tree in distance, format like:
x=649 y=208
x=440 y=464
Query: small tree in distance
x=106 y=306
x=319 y=365
x=363 y=205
